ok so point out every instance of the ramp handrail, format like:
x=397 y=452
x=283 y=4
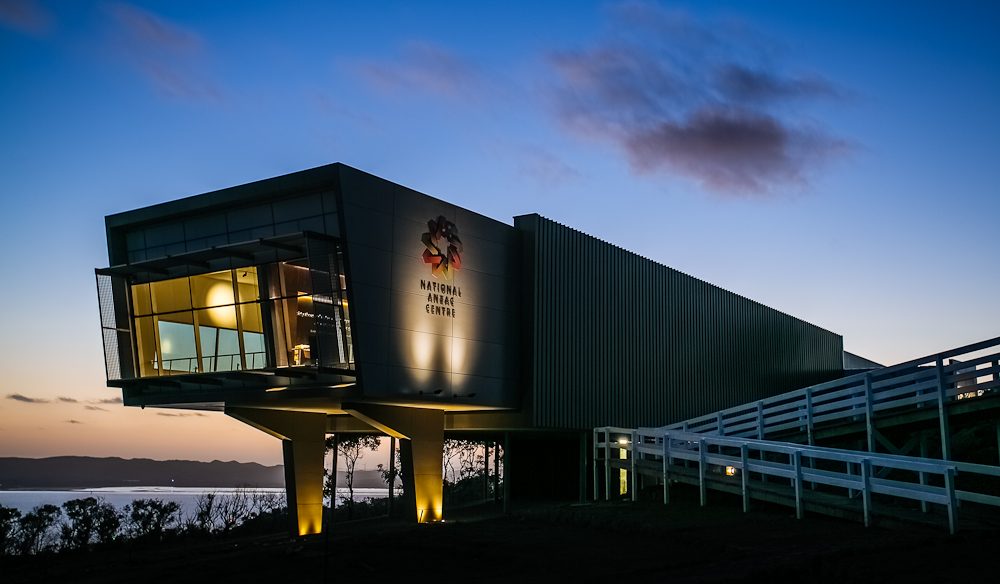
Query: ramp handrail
x=842 y=469
x=925 y=382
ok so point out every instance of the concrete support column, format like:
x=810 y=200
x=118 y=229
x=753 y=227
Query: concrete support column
x=423 y=429
x=302 y=435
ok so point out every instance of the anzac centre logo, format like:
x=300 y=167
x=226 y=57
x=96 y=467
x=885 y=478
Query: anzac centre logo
x=443 y=248
x=443 y=251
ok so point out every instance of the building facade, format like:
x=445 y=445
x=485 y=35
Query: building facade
x=331 y=300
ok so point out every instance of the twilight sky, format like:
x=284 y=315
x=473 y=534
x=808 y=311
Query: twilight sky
x=838 y=162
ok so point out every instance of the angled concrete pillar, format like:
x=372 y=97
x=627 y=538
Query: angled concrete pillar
x=424 y=431
x=302 y=435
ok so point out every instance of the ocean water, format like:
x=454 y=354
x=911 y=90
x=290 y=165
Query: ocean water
x=186 y=497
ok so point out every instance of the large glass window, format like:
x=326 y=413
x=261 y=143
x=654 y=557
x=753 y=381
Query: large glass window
x=218 y=321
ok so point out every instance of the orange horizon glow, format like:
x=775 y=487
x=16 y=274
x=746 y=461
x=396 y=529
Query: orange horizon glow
x=53 y=426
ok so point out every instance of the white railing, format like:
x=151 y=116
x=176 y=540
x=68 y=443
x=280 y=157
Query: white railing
x=935 y=381
x=927 y=481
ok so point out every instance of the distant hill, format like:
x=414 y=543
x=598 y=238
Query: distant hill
x=79 y=472
x=83 y=472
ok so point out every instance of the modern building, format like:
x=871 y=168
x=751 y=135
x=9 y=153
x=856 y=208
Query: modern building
x=331 y=300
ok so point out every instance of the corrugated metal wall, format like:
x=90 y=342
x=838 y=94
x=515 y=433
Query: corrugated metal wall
x=621 y=340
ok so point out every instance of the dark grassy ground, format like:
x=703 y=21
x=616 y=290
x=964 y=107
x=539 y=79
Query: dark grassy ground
x=616 y=542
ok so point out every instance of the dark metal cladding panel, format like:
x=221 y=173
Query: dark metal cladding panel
x=622 y=340
x=414 y=341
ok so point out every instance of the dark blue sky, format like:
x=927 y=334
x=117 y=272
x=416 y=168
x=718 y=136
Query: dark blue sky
x=837 y=161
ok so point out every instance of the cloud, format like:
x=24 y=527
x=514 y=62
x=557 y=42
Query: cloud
x=154 y=31
x=94 y=408
x=166 y=54
x=26 y=16
x=422 y=67
x=25 y=399
x=703 y=101
x=107 y=400
x=73 y=422
x=184 y=415
x=546 y=169
x=67 y=400
x=755 y=85
x=734 y=150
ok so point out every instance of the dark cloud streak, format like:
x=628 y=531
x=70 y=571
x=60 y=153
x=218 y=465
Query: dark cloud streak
x=25 y=399
x=154 y=31
x=166 y=54
x=422 y=67
x=755 y=85
x=180 y=415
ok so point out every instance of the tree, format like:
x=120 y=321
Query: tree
x=148 y=518
x=9 y=520
x=89 y=520
x=204 y=514
x=349 y=448
x=392 y=474
x=461 y=459
x=36 y=529
x=233 y=509
x=107 y=522
x=81 y=525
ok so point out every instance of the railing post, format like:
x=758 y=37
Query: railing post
x=596 y=460
x=923 y=475
x=809 y=416
x=684 y=428
x=850 y=472
x=633 y=459
x=720 y=424
x=760 y=420
x=666 y=468
x=745 y=475
x=943 y=411
x=866 y=490
x=809 y=427
x=797 y=461
x=702 y=487
x=869 y=413
x=949 y=485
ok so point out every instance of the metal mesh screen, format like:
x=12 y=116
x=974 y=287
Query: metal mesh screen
x=112 y=357
x=106 y=298
x=112 y=298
